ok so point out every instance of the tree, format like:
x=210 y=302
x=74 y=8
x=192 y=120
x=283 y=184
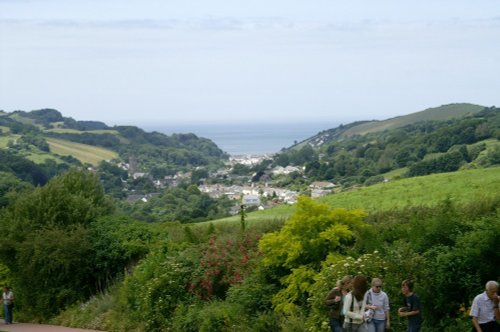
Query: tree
x=296 y=252
x=314 y=231
x=45 y=241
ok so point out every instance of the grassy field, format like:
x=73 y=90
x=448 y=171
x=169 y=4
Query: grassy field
x=4 y=140
x=441 y=113
x=83 y=152
x=459 y=187
x=75 y=131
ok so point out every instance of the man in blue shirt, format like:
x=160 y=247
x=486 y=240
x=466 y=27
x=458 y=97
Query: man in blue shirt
x=413 y=308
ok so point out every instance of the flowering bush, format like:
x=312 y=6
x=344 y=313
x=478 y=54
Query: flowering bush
x=334 y=268
x=224 y=263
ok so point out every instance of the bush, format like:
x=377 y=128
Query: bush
x=213 y=316
x=157 y=286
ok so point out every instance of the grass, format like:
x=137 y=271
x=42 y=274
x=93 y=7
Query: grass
x=4 y=130
x=440 y=113
x=460 y=187
x=39 y=157
x=4 y=140
x=83 y=152
x=75 y=131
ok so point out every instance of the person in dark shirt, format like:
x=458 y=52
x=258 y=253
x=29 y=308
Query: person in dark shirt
x=412 y=308
x=335 y=300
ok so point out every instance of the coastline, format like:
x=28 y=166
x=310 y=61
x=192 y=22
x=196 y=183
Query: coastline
x=244 y=139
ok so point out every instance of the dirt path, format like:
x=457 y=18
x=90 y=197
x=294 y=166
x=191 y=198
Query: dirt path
x=25 y=327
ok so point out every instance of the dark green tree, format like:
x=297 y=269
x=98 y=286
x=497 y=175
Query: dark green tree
x=46 y=245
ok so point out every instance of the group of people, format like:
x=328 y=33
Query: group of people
x=355 y=308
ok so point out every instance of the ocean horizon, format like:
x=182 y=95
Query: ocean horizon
x=248 y=138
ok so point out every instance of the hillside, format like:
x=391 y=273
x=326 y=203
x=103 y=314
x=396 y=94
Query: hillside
x=219 y=275
x=441 y=113
x=460 y=187
x=437 y=140
x=50 y=143
x=87 y=154
x=271 y=272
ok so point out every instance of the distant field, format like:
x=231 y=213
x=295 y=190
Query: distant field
x=25 y=120
x=39 y=157
x=83 y=152
x=74 y=131
x=4 y=140
x=4 y=130
x=459 y=187
x=441 y=113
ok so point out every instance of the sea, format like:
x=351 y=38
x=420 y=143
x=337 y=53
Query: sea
x=248 y=138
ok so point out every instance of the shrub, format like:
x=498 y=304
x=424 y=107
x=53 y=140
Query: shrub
x=225 y=262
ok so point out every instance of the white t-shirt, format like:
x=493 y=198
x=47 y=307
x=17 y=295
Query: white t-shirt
x=8 y=297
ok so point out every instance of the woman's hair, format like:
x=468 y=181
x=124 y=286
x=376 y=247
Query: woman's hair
x=359 y=287
x=342 y=282
x=376 y=281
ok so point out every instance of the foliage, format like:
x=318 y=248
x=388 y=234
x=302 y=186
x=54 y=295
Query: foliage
x=183 y=203
x=112 y=178
x=117 y=243
x=22 y=168
x=216 y=316
x=334 y=268
x=310 y=234
x=10 y=183
x=158 y=285
x=224 y=263
x=46 y=241
x=305 y=241
x=362 y=152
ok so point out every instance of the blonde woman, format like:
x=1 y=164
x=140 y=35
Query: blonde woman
x=378 y=301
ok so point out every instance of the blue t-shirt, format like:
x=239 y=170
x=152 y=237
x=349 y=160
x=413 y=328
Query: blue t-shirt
x=413 y=303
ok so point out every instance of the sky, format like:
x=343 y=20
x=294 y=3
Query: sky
x=232 y=61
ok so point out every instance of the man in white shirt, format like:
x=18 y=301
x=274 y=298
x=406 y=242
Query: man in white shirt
x=485 y=310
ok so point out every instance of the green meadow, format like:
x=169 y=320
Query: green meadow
x=83 y=152
x=75 y=131
x=460 y=187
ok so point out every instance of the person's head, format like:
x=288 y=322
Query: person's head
x=345 y=282
x=359 y=287
x=491 y=289
x=376 y=285
x=407 y=286
x=6 y=288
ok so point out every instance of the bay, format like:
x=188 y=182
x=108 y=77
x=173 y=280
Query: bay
x=247 y=138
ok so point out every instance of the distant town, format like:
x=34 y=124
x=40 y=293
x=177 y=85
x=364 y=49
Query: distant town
x=257 y=195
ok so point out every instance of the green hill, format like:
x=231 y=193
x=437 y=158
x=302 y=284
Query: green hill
x=441 y=113
x=460 y=187
x=438 y=140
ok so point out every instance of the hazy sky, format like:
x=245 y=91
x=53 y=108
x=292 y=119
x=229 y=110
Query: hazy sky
x=173 y=61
